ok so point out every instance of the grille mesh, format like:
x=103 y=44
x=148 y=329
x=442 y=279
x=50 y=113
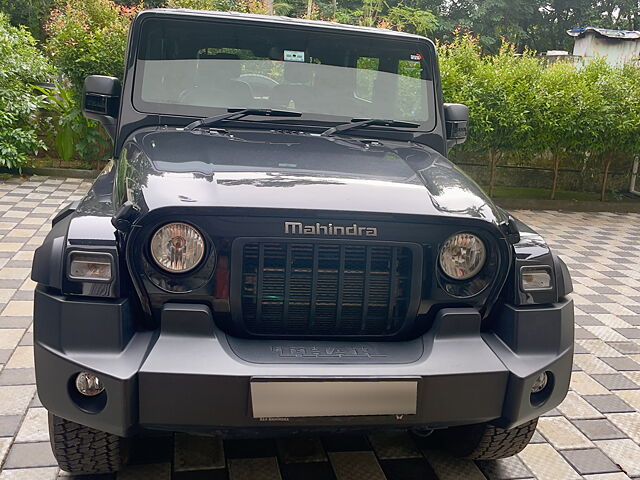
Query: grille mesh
x=331 y=289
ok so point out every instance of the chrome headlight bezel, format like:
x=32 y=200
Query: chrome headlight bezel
x=199 y=244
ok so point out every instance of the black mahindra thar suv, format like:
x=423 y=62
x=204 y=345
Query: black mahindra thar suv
x=280 y=246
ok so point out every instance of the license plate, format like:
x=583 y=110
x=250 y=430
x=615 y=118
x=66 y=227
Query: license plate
x=332 y=398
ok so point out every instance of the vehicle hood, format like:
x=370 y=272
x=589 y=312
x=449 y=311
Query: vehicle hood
x=167 y=167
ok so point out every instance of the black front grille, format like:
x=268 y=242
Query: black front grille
x=325 y=288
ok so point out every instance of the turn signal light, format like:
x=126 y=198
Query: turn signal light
x=90 y=266
x=535 y=278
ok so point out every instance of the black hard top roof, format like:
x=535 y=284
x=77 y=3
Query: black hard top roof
x=250 y=17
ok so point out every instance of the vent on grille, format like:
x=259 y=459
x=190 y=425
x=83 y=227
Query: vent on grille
x=325 y=288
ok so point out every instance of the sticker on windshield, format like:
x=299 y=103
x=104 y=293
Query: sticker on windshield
x=416 y=56
x=293 y=56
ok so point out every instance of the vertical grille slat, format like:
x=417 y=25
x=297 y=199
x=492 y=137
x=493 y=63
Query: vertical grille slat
x=324 y=288
x=393 y=288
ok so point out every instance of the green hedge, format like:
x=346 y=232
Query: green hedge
x=525 y=112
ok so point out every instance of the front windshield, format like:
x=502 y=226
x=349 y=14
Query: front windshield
x=201 y=68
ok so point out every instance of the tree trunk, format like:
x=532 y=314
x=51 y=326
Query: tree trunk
x=309 y=8
x=269 y=5
x=494 y=158
x=605 y=175
x=556 y=171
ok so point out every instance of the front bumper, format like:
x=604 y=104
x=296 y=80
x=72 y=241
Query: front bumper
x=189 y=376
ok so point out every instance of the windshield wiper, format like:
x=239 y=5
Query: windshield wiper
x=237 y=113
x=365 y=122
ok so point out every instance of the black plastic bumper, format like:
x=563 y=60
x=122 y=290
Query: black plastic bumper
x=190 y=376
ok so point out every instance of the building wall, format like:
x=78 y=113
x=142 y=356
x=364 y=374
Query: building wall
x=616 y=51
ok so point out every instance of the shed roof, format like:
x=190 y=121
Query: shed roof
x=605 y=32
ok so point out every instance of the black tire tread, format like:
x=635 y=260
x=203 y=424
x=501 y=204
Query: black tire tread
x=487 y=442
x=84 y=450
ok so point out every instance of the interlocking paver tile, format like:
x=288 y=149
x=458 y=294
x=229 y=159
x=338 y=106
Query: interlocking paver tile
x=590 y=461
x=511 y=468
x=624 y=452
x=562 y=434
x=24 y=455
x=575 y=407
x=629 y=423
x=34 y=427
x=14 y=399
x=46 y=473
x=599 y=429
x=584 y=384
x=606 y=403
x=622 y=363
x=616 y=381
x=546 y=463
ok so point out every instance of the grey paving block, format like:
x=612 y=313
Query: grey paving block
x=301 y=450
x=505 y=469
x=599 y=429
x=626 y=348
x=195 y=452
x=590 y=461
x=537 y=438
x=24 y=455
x=18 y=376
x=603 y=403
x=621 y=363
x=254 y=469
x=9 y=425
x=146 y=472
x=615 y=381
x=577 y=348
x=5 y=354
x=15 y=322
x=582 y=334
x=629 y=332
x=554 y=412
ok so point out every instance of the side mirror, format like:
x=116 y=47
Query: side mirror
x=101 y=101
x=456 y=118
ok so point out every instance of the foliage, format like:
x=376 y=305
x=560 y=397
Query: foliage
x=87 y=37
x=558 y=112
x=29 y=13
x=72 y=134
x=21 y=64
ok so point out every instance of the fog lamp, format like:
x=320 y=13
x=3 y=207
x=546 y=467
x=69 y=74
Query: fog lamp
x=89 y=384
x=90 y=266
x=535 y=278
x=540 y=383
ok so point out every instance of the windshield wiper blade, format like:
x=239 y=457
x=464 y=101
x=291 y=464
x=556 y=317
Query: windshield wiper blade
x=365 y=122
x=237 y=113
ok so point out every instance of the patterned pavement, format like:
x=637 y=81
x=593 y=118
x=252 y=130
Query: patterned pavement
x=594 y=434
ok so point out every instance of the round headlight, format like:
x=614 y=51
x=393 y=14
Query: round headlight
x=462 y=256
x=177 y=247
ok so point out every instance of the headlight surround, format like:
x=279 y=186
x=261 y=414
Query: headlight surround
x=462 y=256
x=177 y=247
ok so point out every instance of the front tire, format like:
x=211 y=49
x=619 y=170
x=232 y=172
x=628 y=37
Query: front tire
x=84 y=450
x=486 y=442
